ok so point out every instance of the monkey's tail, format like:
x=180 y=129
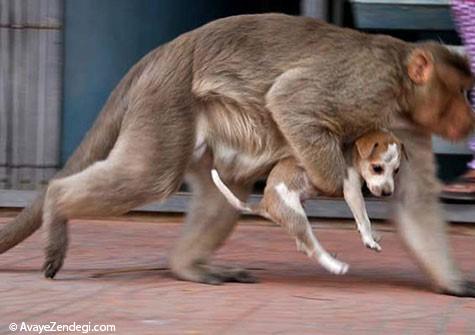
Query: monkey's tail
x=232 y=199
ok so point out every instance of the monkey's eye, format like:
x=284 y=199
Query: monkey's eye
x=469 y=95
x=377 y=169
x=466 y=94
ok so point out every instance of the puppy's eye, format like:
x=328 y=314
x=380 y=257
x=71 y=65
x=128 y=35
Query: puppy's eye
x=396 y=171
x=377 y=169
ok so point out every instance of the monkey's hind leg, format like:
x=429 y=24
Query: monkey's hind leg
x=57 y=237
x=209 y=222
x=109 y=187
x=142 y=167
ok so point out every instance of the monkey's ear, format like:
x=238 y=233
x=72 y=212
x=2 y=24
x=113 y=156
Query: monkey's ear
x=420 y=66
x=365 y=146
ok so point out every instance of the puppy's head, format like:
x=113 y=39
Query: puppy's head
x=376 y=156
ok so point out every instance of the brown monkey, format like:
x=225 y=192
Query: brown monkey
x=240 y=94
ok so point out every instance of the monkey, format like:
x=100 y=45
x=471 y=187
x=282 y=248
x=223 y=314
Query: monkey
x=240 y=94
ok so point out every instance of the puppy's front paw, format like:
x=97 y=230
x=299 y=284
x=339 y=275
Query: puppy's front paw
x=377 y=237
x=372 y=244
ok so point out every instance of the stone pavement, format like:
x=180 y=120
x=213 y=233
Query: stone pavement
x=116 y=273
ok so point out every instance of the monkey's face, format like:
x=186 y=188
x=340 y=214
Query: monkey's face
x=441 y=95
x=378 y=156
x=443 y=105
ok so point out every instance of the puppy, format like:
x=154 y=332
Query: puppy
x=374 y=158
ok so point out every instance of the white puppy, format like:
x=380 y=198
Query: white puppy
x=374 y=158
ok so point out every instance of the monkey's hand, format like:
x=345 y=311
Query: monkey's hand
x=300 y=111
x=323 y=160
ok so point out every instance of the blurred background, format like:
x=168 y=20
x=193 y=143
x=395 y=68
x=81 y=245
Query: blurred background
x=60 y=59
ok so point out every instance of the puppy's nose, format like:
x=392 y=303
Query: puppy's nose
x=386 y=193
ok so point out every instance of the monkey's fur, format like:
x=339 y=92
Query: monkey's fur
x=240 y=94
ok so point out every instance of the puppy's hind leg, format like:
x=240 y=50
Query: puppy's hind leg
x=290 y=214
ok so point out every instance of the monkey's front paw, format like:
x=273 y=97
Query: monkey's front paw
x=467 y=290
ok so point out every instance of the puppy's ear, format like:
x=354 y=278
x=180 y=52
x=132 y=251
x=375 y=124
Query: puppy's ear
x=404 y=152
x=365 y=146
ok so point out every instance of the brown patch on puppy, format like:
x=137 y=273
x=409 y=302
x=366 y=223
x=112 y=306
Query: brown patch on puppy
x=373 y=145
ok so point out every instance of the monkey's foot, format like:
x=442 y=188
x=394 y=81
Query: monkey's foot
x=214 y=275
x=467 y=290
x=53 y=263
x=232 y=274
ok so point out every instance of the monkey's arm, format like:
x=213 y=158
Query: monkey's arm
x=296 y=104
x=420 y=217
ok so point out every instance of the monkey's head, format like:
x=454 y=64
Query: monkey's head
x=377 y=156
x=440 y=81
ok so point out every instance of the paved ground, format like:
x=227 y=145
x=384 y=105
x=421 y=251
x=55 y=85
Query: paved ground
x=116 y=273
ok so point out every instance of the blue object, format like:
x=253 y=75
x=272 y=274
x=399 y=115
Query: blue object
x=104 y=38
x=373 y=15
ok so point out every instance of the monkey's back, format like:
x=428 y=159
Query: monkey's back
x=239 y=58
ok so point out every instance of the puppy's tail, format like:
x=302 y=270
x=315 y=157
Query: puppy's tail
x=232 y=199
